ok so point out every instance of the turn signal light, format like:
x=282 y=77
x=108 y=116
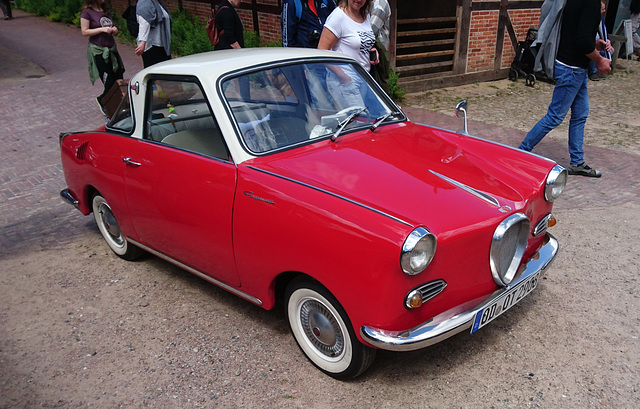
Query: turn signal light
x=414 y=300
x=552 y=221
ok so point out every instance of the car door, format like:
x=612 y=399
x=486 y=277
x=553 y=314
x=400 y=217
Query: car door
x=180 y=181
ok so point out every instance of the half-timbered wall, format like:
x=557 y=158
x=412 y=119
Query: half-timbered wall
x=481 y=49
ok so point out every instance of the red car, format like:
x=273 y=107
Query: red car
x=287 y=177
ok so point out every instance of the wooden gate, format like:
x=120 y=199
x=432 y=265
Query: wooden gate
x=425 y=38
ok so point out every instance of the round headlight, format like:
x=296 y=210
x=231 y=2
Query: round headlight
x=417 y=251
x=556 y=181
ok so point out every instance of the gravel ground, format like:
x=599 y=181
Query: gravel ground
x=613 y=122
x=81 y=328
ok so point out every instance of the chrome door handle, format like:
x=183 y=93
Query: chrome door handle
x=128 y=161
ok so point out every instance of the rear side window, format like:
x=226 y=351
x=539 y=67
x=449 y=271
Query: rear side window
x=178 y=115
x=122 y=120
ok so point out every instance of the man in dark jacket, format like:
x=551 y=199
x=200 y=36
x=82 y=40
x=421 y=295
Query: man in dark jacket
x=577 y=46
x=302 y=21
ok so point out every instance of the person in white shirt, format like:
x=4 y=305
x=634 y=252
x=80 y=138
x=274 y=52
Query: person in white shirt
x=348 y=31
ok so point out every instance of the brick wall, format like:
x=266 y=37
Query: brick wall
x=483 y=32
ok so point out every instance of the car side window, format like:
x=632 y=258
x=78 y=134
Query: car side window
x=178 y=115
x=122 y=120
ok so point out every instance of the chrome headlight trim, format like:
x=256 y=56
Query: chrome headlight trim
x=417 y=251
x=507 y=248
x=556 y=181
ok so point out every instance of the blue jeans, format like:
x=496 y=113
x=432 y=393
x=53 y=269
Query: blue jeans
x=570 y=92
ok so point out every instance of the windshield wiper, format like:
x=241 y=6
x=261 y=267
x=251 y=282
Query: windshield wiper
x=346 y=122
x=383 y=118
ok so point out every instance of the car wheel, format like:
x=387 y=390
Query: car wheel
x=323 y=331
x=110 y=229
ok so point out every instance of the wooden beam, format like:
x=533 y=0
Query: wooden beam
x=427 y=32
x=462 y=36
x=392 y=33
x=427 y=20
x=419 y=67
x=449 y=41
x=429 y=54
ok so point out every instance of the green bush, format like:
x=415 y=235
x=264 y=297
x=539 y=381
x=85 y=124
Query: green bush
x=64 y=11
x=188 y=34
x=395 y=91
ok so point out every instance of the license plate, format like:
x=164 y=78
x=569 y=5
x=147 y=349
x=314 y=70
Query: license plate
x=506 y=301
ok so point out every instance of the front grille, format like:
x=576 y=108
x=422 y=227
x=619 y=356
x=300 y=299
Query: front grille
x=507 y=248
x=430 y=289
x=542 y=225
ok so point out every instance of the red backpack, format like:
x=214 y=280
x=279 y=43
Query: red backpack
x=212 y=29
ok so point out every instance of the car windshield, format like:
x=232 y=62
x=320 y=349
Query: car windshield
x=288 y=105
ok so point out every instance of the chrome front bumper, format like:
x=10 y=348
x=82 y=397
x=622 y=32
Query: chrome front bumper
x=450 y=323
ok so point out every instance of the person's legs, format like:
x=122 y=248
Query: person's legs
x=563 y=95
x=635 y=24
x=6 y=9
x=154 y=55
x=592 y=70
x=103 y=70
x=579 y=113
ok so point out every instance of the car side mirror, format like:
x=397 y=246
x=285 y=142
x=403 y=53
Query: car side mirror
x=462 y=107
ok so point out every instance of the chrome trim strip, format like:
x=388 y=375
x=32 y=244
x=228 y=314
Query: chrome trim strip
x=68 y=197
x=479 y=194
x=447 y=325
x=332 y=194
x=198 y=273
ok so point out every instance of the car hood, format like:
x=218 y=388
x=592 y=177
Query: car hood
x=417 y=173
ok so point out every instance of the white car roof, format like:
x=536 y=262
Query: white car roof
x=209 y=67
x=213 y=64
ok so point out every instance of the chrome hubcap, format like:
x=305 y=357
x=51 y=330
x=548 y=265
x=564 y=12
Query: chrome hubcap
x=110 y=224
x=321 y=328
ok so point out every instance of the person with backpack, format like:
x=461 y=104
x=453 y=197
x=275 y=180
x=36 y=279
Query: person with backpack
x=229 y=26
x=302 y=21
x=576 y=45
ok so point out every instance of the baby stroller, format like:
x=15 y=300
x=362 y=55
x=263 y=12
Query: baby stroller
x=522 y=65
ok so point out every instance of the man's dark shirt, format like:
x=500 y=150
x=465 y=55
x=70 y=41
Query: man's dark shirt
x=580 y=20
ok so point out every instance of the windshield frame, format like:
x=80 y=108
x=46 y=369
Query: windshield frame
x=385 y=99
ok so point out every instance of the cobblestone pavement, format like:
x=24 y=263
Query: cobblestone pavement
x=46 y=91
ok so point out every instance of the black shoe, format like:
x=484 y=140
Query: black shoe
x=597 y=76
x=8 y=18
x=584 y=170
x=104 y=111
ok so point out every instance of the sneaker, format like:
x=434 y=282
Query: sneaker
x=584 y=170
x=104 y=111
x=597 y=76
